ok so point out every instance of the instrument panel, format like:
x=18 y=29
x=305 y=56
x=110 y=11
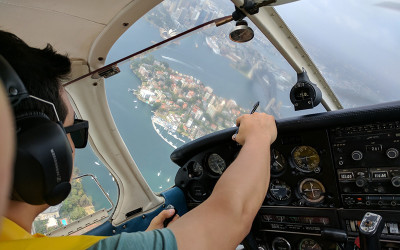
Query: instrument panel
x=325 y=175
x=301 y=171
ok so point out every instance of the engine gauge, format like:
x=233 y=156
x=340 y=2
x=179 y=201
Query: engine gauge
x=309 y=244
x=279 y=190
x=280 y=243
x=306 y=159
x=278 y=162
x=194 y=169
x=216 y=164
x=312 y=190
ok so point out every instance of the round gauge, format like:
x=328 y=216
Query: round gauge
x=197 y=191
x=195 y=169
x=278 y=162
x=312 y=190
x=216 y=164
x=309 y=244
x=306 y=159
x=280 y=243
x=279 y=190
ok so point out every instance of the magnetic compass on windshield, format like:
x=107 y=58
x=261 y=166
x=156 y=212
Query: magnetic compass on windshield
x=216 y=164
x=312 y=190
x=306 y=159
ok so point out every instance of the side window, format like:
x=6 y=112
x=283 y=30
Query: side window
x=93 y=190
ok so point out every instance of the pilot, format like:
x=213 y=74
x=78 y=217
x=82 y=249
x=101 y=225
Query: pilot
x=221 y=222
x=41 y=72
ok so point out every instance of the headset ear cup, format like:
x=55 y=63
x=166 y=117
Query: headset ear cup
x=44 y=161
x=28 y=181
x=58 y=194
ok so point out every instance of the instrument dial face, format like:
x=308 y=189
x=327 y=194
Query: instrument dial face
x=312 y=190
x=216 y=163
x=280 y=243
x=306 y=159
x=309 y=244
x=195 y=169
x=279 y=190
x=278 y=162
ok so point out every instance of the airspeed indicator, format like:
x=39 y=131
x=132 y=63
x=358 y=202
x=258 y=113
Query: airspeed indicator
x=216 y=164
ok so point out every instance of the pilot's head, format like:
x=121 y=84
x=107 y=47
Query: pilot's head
x=41 y=71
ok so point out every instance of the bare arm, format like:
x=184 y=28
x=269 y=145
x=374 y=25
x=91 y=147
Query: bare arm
x=225 y=218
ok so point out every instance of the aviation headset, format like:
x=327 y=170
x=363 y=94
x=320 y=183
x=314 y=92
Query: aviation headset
x=43 y=164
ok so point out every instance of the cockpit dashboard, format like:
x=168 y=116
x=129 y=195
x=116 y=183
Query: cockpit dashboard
x=327 y=171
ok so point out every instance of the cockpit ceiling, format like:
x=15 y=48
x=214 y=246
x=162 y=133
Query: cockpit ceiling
x=71 y=26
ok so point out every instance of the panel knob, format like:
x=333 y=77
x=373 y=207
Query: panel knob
x=396 y=181
x=356 y=155
x=392 y=153
x=361 y=181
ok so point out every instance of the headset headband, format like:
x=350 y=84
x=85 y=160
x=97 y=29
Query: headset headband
x=15 y=88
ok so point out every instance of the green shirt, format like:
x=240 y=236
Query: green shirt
x=156 y=239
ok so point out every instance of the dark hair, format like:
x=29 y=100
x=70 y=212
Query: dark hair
x=41 y=71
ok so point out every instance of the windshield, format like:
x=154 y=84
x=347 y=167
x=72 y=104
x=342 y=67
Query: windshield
x=355 y=44
x=192 y=86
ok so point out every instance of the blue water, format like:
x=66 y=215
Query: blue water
x=150 y=152
x=213 y=70
x=148 y=149
x=85 y=161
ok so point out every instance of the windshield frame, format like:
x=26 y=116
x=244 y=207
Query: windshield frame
x=270 y=23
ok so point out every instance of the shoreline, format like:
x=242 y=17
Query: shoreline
x=153 y=122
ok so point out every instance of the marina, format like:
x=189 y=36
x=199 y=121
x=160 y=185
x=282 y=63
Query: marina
x=167 y=133
x=154 y=121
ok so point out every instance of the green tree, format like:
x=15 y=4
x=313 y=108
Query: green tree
x=77 y=213
x=168 y=82
x=84 y=201
x=40 y=226
x=166 y=65
x=156 y=106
